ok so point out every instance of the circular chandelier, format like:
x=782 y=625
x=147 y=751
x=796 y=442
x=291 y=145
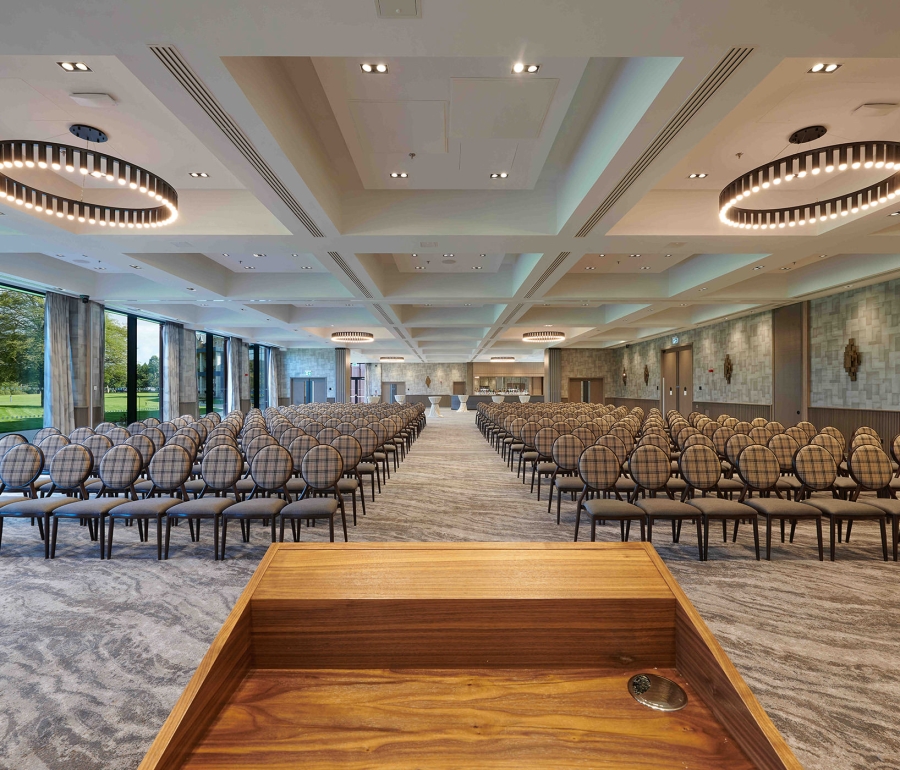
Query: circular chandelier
x=503 y=358
x=547 y=336
x=28 y=153
x=837 y=157
x=392 y=359
x=352 y=337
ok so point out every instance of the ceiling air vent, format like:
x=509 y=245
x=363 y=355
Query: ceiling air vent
x=547 y=273
x=339 y=261
x=701 y=95
x=173 y=61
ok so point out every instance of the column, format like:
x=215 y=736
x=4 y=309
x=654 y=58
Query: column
x=553 y=375
x=341 y=375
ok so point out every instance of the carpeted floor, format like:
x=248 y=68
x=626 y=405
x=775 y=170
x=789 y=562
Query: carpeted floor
x=94 y=654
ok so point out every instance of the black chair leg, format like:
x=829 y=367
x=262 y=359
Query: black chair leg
x=112 y=525
x=53 y=538
x=168 y=535
x=224 y=531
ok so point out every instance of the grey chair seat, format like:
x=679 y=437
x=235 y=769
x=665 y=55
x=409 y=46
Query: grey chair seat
x=717 y=508
x=624 y=485
x=844 y=485
x=97 y=506
x=258 y=508
x=612 y=509
x=569 y=483
x=664 y=508
x=389 y=448
x=245 y=485
x=788 y=484
x=348 y=485
x=204 y=507
x=676 y=485
x=895 y=483
x=546 y=467
x=195 y=486
x=887 y=505
x=34 y=507
x=530 y=456
x=379 y=456
x=311 y=508
x=143 y=487
x=295 y=486
x=365 y=468
x=153 y=506
x=10 y=500
x=782 y=509
x=729 y=485
x=843 y=509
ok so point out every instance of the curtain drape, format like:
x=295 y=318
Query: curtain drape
x=235 y=346
x=188 y=373
x=173 y=335
x=272 y=378
x=59 y=408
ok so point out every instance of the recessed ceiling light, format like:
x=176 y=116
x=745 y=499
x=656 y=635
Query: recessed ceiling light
x=668 y=255
x=785 y=268
x=703 y=288
x=645 y=268
x=548 y=325
x=306 y=267
x=136 y=267
x=482 y=255
x=249 y=267
x=823 y=68
x=589 y=267
x=468 y=304
x=894 y=214
x=259 y=255
x=295 y=255
x=684 y=304
x=849 y=286
x=419 y=267
x=697 y=176
x=191 y=289
x=399 y=175
x=634 y=255
x=585 y=304
x=199 y=175
x=74 y=66
x=520 y=68
x=414 y=255
x=100 y=268
x=374 y=69
x=759 y=267
x=499 y=175
x=448 y=255
x=477 y=267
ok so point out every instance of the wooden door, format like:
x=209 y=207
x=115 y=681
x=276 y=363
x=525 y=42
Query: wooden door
x=575 y=391
x=459 y=388
x=669 y=371
x=685 y=381
x=596 y=390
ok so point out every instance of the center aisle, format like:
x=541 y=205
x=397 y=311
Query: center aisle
x=453 y=486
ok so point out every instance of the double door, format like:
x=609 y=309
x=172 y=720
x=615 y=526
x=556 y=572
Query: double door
x=677 y=386
x=308 y=390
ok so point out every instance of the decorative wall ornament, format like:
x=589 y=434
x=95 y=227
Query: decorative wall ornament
x=646 y=374
x=428 y=382
x=729 y=368
x=624 y=376
x=852 y=359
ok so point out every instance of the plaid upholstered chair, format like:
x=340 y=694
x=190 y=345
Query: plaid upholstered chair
x=168 y=429
x=758 y=468
x=43 y=433
x=169 y=469
x=10 y=440
x=566 y=451
x=20 y=468
x=843 y=486
x=103 y=427
x=871 y=468
x=815 y=467
x=288 y=435
x=151 y=422
x=117 y=435
x=78 y=435
x=221 y=468
x=69 y=469
x=50 y=445
x=743 y=427
x=798 y=434
x=702 y=472
x=135 y=428
x=321 y=468
x=351 y=482
x=298 y=449
x=599 y=468
x=650 y=469
x=327 y=435
x=270 y=470
x=544 y=466
x=367 y=466
x=143 y=445
x=380 y=456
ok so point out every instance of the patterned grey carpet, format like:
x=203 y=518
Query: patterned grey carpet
x=94 y=654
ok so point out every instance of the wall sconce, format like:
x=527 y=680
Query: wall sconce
x=646 y=375
x=729 y=368
x=852 y=359
x=624 y=376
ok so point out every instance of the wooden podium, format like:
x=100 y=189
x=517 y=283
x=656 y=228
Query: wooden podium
x=463 y=655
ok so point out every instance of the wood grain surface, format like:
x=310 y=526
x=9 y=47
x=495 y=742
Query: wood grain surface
x=457 y=719
x=703 y=662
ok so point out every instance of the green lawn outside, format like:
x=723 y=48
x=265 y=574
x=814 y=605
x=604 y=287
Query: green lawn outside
x=23 y=411
x=115 y=404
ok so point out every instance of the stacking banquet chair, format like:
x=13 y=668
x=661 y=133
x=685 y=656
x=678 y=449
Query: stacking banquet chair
x=169 y=469
x=351 y=453
x=321 y=468
x=379 y=455
x=270 y=470
x=543 y=466
x=599 y=468
x=20 y=468
x=566 y=451
x=298 y=449
x=816 y=469
x=69 y=469
x=871 y=468
x=43 y=433
x=221 y=468
x=367 y=465
x=701 y=471
x=118 y=470
x=650 y=469
x=759 y=470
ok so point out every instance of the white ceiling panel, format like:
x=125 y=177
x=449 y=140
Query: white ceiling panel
x=407 y=126
x=499 y=108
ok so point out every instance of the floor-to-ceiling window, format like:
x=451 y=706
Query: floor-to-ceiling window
x=132 y=368
x=21 y=360
x=259 y=376
x=212 y=373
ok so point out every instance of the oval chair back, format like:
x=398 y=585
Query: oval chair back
x=322 y=468
x=70 y=468
x=221 y=468
x=119 y=469
x=20 y=466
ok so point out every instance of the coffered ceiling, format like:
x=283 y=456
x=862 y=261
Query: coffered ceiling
x=597 y=230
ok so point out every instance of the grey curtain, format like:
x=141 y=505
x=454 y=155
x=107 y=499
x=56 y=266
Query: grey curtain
x=272 y=376
x=235 y=346
x=173 y=335
x=188 y=373
x=59 y=407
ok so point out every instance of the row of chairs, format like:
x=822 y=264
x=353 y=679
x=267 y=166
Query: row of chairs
x=601 y=454
x=237 y=466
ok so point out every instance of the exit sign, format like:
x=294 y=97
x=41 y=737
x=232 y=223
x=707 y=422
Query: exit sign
x=674 y=340
x=309 y=372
